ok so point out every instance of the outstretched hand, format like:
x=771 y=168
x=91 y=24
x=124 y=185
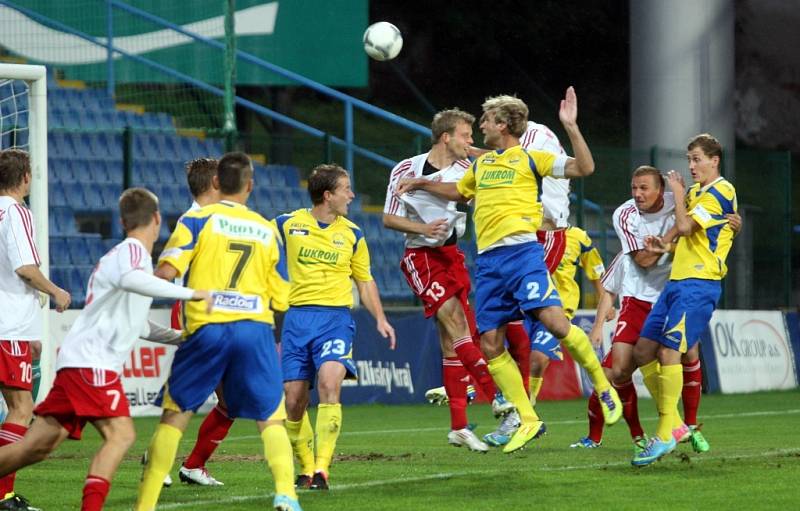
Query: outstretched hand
x=568 y=111
x=657 y=245
x=676 y=184
x=406 y=185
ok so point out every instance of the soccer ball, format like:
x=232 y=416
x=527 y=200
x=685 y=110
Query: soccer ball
x=382 y=41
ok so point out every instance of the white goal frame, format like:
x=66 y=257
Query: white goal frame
x=36 y=77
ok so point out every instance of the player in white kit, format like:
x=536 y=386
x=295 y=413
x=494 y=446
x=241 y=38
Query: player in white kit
x=21 y=281
x=88 y=386
x=434 y=266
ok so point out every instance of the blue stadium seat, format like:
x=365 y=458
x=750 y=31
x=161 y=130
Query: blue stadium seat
x=97 y=172
x=93 y=196
x=77 y=249
x=82 y=145
x=115 y=170
x=110 y=193
x=62 y=222
x=55 y=195
x=59 y=256
x=110 y=243
x=58 y=274
x=96 y=247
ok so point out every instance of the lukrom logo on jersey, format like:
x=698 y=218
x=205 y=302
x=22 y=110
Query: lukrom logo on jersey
x=317 y=256
x=500 y=177
x=235 y=302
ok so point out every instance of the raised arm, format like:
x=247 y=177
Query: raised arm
x=447 y=191
x=582 y=164
x=434 y=229
x=683 y=222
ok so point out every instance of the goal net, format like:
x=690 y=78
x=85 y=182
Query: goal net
x=23 y=124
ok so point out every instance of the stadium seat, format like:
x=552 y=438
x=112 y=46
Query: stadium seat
x=93 y=198
x=96 y=247
x=61 y=222
x=59 y=256
x=58 y=274
x=77 y=250
x=55 y=195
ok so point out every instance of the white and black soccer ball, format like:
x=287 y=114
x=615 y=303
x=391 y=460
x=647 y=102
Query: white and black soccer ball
x=382 y=41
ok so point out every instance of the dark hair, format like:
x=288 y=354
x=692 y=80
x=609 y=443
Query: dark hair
x=15 y=164
x=647 y=170
x=234 y=170
x=136 y=208
x=324 y=178
x=446 y=121
x=199 y=173
x=708 y=144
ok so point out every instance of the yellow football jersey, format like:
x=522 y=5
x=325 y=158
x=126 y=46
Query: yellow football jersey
x=507 y=186
x=579 y=251
x=702 y=254
x=235 y=253
x=322 y=258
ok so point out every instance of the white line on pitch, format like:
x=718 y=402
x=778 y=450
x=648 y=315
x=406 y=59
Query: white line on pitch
x=449 y=475
x=573 y=421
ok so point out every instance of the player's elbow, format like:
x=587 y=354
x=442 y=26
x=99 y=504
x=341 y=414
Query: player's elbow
x=684 y=228
x=388 y=221
x=587 y=169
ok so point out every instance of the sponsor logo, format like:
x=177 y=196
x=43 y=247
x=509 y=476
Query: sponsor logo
x=234 y=302
x=338 y=240
x=242 y=229
x=298 y=232
x=317 y=256
x=144 y=362
x=389 y=376
x=494 y=178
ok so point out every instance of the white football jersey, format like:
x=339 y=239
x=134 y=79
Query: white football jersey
x=114 y=317
x=421 y=206
x=632 y=227
x=555 y=192
x=21 y=319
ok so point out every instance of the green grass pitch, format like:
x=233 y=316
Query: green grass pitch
x=397 y=458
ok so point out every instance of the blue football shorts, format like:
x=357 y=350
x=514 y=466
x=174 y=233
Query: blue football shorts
x=313 y=335
x=682 y=312
x=542 y=340
x=240 y=354
x=510 y=281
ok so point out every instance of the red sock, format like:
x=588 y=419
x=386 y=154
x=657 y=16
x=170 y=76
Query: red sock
x=630 y=407
x=692 y=388
x=473 y=362
x=519 y=346
x=212 y=432
x=95 y=491
x=596 y=420
x=10 y=433
x=455 y=384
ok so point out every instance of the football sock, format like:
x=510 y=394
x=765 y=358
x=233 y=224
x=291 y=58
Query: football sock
x=37 y=378
x=506 y=376
x=95 y=491
x=278 y=452
x=455 y=384
x=161 y=455
x=535 y=386
x=692 y=387
x=630 y=407
x=670 y=383
x=519 y=346
x=579 y=346
x=301 y=436
x=329 y=424
x=596 y=419
x=212 y=432
x=650 y=372
x=9 y=434
x=472 y=360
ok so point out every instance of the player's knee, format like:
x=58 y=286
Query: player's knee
x=295 y=406
x=125 y=437
x=329 y=390
x=620 y=374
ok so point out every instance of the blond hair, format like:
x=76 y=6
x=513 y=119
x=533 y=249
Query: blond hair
x=509 y=110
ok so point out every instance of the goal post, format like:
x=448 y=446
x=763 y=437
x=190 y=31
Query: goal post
x=35 y=78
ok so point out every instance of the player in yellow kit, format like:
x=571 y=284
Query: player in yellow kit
x=236 y=252
x=512 y=281
x=579 y=251
x=324 y=251
x=684 y=308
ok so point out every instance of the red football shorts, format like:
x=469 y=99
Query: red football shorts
x=16 y=365
x=435 y=275
x=553 y=243
x=81 y=395
x=629 y=324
